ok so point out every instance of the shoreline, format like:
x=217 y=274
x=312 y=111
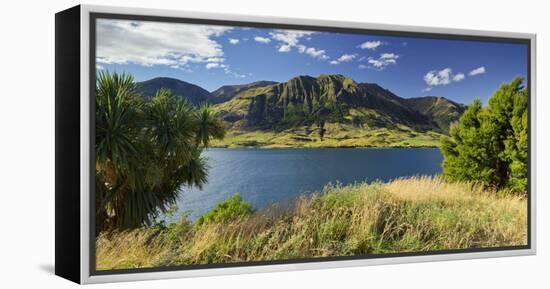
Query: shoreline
x=321 y=147
x=336 y=137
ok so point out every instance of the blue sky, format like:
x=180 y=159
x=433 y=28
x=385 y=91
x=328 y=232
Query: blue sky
x=212 y=56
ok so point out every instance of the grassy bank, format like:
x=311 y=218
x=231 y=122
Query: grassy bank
x=337 y=135
x=415 y=214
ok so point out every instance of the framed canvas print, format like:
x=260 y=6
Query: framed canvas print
x=192 y=144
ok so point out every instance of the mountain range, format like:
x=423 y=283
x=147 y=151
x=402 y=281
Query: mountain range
x=194 y=94
x=328 y=110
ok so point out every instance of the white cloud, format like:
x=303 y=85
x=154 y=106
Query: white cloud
x=362 y=66
x=284 y=48
x=477 y=71
x=389 y=56
x=442 y=77
x=372 y=45
x=435 y=78
x=215 y=59
x=459 y=77
x=99 y=67
x=156 y=43
x=184 y=69
x=262 y=39
x=228 y=71
x=347 y=57
x=290 y=38
x=344 y=58
x=384 y=60
x=212 y=65
x=316 y=53
x=215 y=65
x=312 y=51
x=191 y=59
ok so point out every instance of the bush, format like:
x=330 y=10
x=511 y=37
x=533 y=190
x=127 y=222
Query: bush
x=179 y=230
x=230 y=209
x=489 y=144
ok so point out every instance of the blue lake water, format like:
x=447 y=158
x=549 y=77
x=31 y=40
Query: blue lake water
x=266 y=176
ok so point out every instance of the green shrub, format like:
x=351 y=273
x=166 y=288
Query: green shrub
x=333 y=230
x=230 y=209
x=177 y=231
x=489 y=145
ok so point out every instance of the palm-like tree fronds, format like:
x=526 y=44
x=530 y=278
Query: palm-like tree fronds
x=209 y=125
x=146 y=150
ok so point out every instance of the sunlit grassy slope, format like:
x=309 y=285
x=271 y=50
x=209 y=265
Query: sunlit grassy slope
x=415 y=214
x=336 y=135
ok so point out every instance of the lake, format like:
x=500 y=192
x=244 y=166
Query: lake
x=265 y=176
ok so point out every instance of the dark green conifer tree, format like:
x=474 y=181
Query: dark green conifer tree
x=489 y=144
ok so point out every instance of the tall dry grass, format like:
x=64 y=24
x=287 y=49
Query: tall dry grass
x=413 y=214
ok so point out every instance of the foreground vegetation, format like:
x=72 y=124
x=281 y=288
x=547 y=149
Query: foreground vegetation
x=146 y=150
x=415 y=214
x=336 y=135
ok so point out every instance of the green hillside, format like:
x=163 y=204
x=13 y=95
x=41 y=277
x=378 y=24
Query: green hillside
x=333 y=111
x=194 y=94
x=441 y=110
x=227 y=92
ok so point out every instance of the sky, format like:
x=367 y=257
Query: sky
x=212 y=56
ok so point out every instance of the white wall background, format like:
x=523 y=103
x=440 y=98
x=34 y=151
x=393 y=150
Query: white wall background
x=27 y=143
